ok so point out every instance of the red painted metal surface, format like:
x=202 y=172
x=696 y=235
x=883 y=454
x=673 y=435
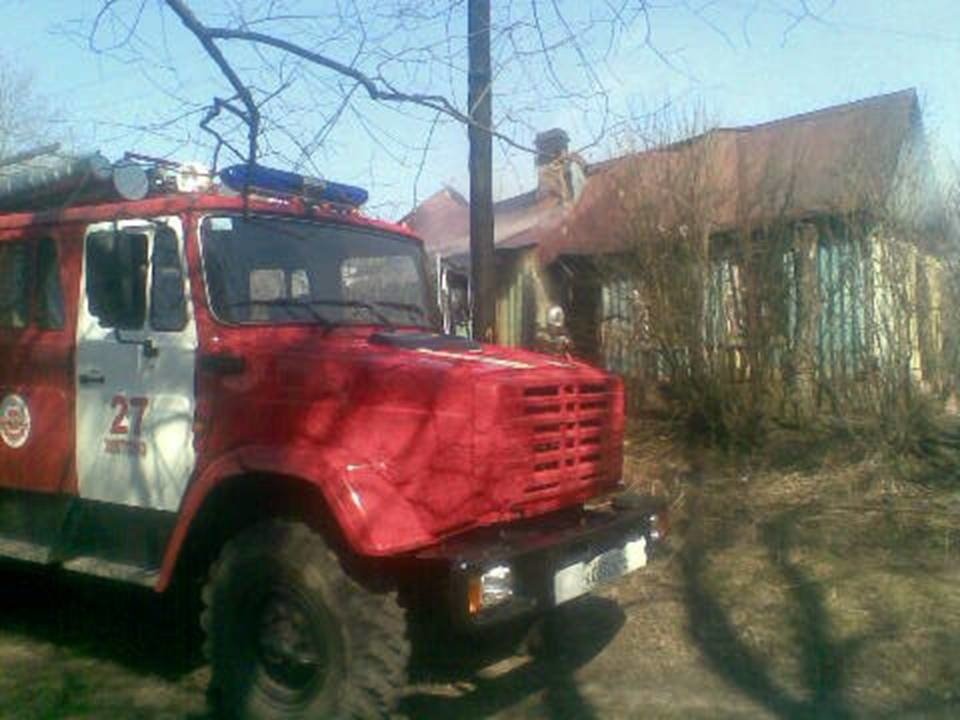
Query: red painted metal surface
x=37 y=365
x=408 y=446
x=11 y=224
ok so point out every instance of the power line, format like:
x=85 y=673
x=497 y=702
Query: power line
x=906 y=34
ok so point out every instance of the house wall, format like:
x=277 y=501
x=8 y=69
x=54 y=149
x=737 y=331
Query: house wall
x=624 y=343
x=852 y=305
x=931 y=289
x=849 y=306
x=525 y=292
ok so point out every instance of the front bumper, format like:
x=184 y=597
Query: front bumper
x=536 y=550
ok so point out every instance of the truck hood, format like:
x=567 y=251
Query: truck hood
x=451 y=351
x=460 y=434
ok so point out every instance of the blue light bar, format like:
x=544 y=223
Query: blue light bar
x=271 y=181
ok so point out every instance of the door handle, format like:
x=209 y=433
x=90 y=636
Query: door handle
x=150 y=349
x=92 y=377
x=223 y=363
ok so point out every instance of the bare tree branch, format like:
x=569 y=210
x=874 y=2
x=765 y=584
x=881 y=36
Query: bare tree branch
x=423 y=158
x=252 y=114
x=131 y=28
x=398 y=53
x=376 y=88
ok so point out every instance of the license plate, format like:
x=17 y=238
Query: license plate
x=579 y=578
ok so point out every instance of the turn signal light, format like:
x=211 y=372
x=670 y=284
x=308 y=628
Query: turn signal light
x=659 y=525
x=492 y=588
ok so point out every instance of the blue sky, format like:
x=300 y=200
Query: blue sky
x=737 y=60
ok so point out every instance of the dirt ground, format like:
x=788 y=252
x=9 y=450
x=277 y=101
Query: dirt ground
x=812 y=589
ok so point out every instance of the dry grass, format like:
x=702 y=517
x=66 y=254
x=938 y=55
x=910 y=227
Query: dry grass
x=818 y=579
x=818 y=583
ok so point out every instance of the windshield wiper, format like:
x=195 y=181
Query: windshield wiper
x=413 y=309
x=369 y=307
x=318 y=317
x=309 y=305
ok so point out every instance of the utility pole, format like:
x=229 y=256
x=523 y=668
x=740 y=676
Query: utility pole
x=479 y=102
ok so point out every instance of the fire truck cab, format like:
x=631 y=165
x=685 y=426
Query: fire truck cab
x=238 y=385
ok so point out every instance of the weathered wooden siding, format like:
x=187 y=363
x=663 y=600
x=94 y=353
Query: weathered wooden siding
x=622 y=337
x=843 y=284
x=523 y=297
x=871 y=301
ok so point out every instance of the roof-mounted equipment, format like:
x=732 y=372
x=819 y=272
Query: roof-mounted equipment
x=45 y=178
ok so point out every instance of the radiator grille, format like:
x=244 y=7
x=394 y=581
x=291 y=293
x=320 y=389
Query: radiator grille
x=570 y=428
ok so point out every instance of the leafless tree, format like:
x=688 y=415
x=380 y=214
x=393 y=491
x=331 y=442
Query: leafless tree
x=752 y=293
x=25 y=119
x=295 y=72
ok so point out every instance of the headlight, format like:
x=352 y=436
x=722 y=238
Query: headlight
x=491 y=588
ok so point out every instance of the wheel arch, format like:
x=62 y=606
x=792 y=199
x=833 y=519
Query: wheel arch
x=231 y=504
x=297 y=483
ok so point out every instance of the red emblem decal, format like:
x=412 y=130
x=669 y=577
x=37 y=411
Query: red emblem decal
x=14 y=421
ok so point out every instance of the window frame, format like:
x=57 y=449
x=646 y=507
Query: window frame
x=38 y=289
x=184 y=271
x=34 y=287
x=144 y=311
x=147 y=225
x=26 y=301
x=197 y=227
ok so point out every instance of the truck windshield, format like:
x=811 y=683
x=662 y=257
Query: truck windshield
x=267 y=270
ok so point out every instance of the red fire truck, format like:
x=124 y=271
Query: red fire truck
x=237 y=383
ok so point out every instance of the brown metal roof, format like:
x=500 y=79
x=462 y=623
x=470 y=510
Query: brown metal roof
x=440 y=220
x=837 y=159
x=443 y=221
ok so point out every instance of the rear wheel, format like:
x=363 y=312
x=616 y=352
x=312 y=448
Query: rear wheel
x=291 y=635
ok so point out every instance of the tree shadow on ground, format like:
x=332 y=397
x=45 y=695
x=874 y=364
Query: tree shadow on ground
x=85 y=618
x=565 y=641
x=822 y=659
x=138 y=631
x=825 y=661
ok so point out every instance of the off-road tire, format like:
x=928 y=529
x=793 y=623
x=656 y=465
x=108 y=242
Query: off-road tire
x=363 y=633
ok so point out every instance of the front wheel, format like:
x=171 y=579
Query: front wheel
x=291 y=635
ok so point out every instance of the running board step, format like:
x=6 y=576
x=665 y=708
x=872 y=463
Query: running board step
x=25 y=550
x=111 y=570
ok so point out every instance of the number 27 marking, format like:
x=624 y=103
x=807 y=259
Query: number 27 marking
x=123 y=405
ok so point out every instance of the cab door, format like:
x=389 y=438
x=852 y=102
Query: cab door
x=36 y=368
x=136 y=356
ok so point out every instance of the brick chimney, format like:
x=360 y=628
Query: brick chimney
x=550 y=145
x=559 y=174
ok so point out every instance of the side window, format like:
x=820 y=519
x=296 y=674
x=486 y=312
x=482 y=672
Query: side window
x=48 y=293
x=168 y=304
x=14 y=284
x=116 y=279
